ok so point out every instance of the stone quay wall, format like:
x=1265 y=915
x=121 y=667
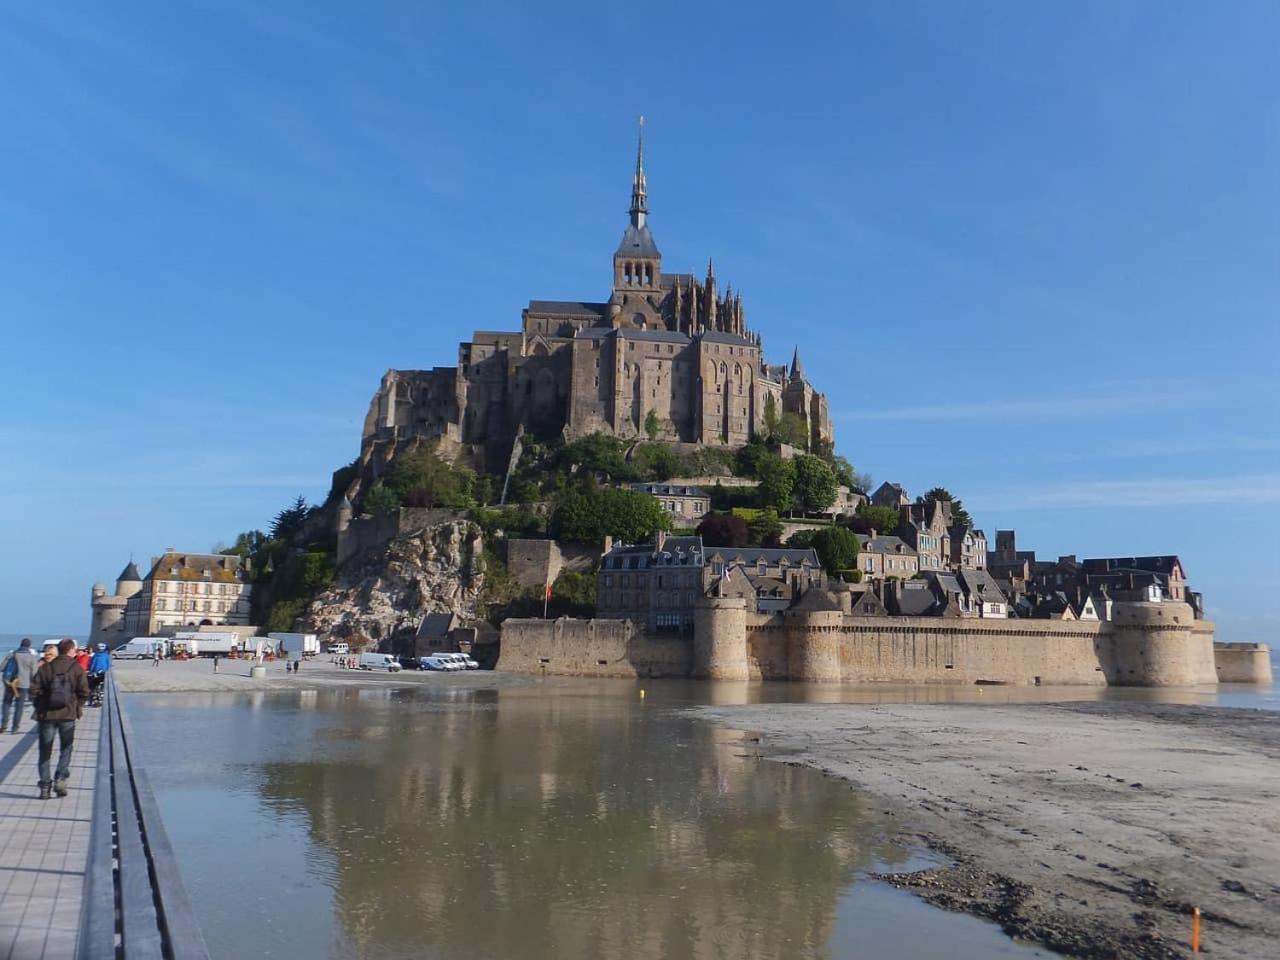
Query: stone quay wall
x=1147 y=645
x=1243 y=662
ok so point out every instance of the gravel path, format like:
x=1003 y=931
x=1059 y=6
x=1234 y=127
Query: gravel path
x=1091 y=828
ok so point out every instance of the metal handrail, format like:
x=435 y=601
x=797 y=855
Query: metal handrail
x=135 y=904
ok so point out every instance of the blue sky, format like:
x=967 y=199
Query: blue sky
x=1031 y=251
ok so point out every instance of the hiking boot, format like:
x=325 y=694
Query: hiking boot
x=60 y=787
x=44 y=791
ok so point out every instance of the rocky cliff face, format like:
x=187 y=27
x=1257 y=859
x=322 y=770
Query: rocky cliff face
x=382 y=591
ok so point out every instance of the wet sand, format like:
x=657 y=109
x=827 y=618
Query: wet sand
x=1091 y=828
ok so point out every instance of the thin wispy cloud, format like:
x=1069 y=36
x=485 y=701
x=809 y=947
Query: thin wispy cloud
x=1087 y=401
x=1258 y=489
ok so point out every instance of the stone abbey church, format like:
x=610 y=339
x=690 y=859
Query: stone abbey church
x=662 y=342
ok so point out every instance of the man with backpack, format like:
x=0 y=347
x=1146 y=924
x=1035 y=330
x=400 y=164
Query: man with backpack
x=19 y=667
x=59 y=691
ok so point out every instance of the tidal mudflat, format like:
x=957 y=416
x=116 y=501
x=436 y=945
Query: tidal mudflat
x=1091 y=827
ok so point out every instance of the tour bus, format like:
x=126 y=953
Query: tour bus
x=379 y=661
x=142 y=648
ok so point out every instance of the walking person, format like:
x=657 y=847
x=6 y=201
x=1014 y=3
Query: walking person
x=215 y=663
x=155 y=656
x=99 y=664
x=19 y=667
x=59 y=691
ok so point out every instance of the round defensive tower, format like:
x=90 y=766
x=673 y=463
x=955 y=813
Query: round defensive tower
x=720 y=638
x=1155 y=646
x=813 y=645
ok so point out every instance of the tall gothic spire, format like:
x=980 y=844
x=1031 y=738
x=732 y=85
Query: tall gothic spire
x=639 y=190
x=797 y=371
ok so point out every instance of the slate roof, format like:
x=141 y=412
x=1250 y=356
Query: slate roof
x=884 y=544
x=1163 y=564
x=437 y=625
x=223 y=568
x=979 y=583
x=568 y=308
x=916 y=601
x=637 y=242
x=817 y=600
x=719 y=336
x=130 y=573
x=664 y=336
x=771 y=555
x=669 y=490
x=676 y=551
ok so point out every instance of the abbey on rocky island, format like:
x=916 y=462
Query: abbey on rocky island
x=665 y=348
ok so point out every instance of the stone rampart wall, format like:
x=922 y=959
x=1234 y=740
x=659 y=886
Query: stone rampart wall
x=1243 y=663
x=591 y=648
x=1156 y=645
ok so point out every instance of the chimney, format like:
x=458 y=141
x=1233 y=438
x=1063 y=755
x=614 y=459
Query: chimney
x=871 y=532
x=608 y=543
x=660 y=539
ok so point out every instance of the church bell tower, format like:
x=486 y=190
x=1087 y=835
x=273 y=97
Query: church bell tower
x=637 y=264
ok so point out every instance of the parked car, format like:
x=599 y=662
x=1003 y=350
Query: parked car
x=379 y=661
x=440 y=662
x=409 y=663
x=463 y=660
x=339 y=649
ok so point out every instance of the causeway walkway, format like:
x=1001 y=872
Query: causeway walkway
x=44 y=845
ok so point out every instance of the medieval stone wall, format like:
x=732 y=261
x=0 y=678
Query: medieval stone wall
x=1149 y=648
x=590 y=648
x=1243 y=663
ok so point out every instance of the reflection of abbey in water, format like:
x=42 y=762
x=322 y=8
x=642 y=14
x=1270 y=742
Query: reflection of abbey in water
x=663 y=346
x=563 y=825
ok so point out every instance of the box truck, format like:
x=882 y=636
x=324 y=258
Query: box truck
x=293 y=645
x=208 y=643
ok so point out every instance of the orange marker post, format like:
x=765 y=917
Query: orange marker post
x=1195 y=929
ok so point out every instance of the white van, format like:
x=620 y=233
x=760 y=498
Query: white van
x=141 y=648
x=339 y=649
x=379 y=661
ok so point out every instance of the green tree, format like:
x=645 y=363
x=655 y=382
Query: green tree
x=958 y=513
x=288 y=522
x=723 y=530
x=793 y=431
x=421 y=479
x=815 y=484
x=777 y=484
x=771 y=422
x=881 y=519
x=655 y=461
x=247 y=544
x=590 y=515
x=837 y=548
x=379 y=500
x=573 y=595
x=599 y=454
x=482 y=489
x=651 y=425
x=765 y=530
x=751 y=458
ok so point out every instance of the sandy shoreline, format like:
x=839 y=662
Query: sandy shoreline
x=1091 y=828
x=139 y=676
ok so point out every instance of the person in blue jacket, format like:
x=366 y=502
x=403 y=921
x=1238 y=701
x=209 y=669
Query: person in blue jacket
x=99 y=664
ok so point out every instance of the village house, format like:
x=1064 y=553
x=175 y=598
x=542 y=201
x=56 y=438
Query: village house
x=924 y=528
x=890 y=495
x=968 y=548
x=685 y=505
x=655 y=584
x=880 y=557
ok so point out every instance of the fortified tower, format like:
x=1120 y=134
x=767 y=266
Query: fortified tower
x=720 y=638
x=1156 y=645
x=108 y=610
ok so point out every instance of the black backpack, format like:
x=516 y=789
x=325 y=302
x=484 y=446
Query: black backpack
x=61 y=692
